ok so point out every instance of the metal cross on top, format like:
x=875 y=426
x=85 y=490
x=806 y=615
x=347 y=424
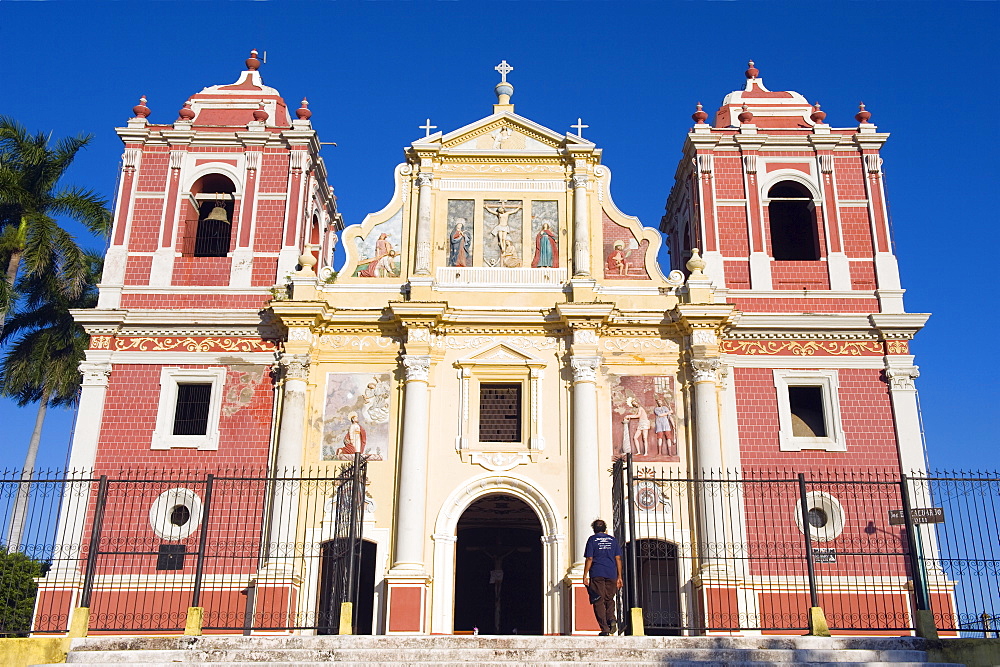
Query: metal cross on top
x=427 y=127
x=504 y=70
x=579 y=127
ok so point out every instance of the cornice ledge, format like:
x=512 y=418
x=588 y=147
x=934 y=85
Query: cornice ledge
x=898 y=325
x=701 y=315
x=586 y=313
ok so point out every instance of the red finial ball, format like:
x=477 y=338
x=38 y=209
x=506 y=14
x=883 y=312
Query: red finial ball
x=252 y=62
x=303 y=113
x=746 y=116
x=818 y=116
x=699 y=116
x=186 y=113
x=141 y=110
x=752 y=72
x=260 y=114
x=862 y=116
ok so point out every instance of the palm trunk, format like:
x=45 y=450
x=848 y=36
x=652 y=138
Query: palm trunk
x=19 y=517
x=12 y=266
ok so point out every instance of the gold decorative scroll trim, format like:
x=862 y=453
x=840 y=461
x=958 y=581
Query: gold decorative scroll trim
x=186 y=344
x=897 y=347
x=856 y=348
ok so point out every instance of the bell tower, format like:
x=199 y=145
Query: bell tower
x=213 y=210
x=780 y=202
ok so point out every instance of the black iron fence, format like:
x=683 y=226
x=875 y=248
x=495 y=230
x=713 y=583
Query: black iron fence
x=757 y=550
x=139 y=550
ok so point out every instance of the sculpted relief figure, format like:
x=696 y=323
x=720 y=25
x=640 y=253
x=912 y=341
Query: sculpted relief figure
x=383 y=247
x=617 y=263
x=508 y=255
x=546 y=248
x=461 y=245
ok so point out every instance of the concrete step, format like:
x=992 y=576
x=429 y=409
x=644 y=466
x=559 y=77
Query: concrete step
x=533 y=655
x=441 y=650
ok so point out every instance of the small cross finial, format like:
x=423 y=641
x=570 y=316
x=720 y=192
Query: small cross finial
x=504 y=70
x=427 y=127
x=579 y=127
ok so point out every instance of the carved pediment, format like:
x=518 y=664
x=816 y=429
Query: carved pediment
x=501 y=355
x=506 y=131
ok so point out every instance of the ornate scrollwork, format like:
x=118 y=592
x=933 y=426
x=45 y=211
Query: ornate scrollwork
x=296 y=366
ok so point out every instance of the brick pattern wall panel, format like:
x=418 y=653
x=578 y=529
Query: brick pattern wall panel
x=863 y=275
x=153 y=170
x=737 y=274
x=273 y=173
x=800 y=275
x=850 y=177
x=728 y=175
x=857 y=232
x=196 y=301
x=865 y=412
x=792 y=305
x=144 y=234
x=137 y=270
x=130 y=419
x=732 y=228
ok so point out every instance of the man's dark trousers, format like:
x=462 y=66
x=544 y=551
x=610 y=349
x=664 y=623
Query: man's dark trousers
x=604 y=606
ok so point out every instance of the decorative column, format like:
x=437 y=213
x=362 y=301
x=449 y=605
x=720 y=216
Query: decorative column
x=423 y=259
x=291 y=433
x=581 y=227
x=587 y=479
x=708 y=440
x=413 y=466
x=586 y=462
x=407 y=582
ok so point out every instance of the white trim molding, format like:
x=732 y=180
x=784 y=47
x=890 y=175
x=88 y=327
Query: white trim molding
x=833 y=510
x=827 y=380
x=170 y=378
x=162 y=508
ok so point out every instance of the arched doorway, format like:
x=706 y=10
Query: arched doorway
x=659 y=586
x=498 y=568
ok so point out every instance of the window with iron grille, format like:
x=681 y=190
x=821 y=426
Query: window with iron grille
x=191 y=413
x=500 y=412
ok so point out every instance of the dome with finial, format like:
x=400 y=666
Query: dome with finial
x=862 y=115
x=260 y=114
x=186 y=113
x=303 y=112
x=818 y=115
x=141 y=110
x=699 y=116
x=252 y=63
x=768 y=109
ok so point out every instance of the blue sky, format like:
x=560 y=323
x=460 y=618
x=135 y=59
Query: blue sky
x=633 y=71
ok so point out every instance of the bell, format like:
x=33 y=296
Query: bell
x=219 y=214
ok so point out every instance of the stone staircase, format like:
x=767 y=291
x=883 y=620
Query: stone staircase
x=448 y=650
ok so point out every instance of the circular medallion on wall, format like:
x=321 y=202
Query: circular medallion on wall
x=175 y=514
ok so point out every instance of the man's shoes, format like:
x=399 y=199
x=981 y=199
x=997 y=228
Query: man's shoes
x=602 y=633
x=613 y=628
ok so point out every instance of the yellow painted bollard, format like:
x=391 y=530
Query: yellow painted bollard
x=79 y=622
x=192 y=627
x=346 y=617
x=638 y=625
x=817 y=622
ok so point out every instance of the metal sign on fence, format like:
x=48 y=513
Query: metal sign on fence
x=824 y=555
x=917 y=515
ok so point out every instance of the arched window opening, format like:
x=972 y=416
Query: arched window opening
x=792 y=217
x=213 y=200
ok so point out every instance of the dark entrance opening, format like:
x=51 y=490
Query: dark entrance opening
x=364 y=604
x=498 y=568
x=659 y=586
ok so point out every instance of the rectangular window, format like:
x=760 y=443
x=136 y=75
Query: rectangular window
x=191 y=413
x=170 y=557
x=500 y=412
x=806 y=406
x=809 y=410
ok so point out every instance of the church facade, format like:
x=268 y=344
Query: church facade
x=499 y=334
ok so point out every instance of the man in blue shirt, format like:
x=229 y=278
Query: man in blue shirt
x=602 y=575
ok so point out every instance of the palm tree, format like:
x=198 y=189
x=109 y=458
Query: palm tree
x=30 y=195
x=41 y=363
